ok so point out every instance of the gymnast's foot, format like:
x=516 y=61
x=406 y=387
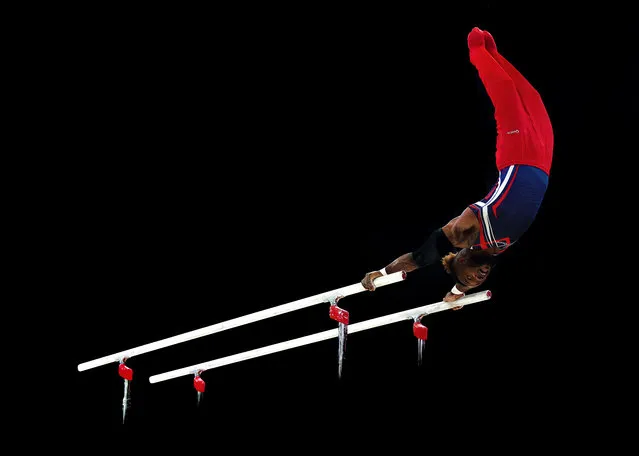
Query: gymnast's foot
x=475 y=38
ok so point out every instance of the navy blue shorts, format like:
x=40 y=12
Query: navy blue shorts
x=510 y=207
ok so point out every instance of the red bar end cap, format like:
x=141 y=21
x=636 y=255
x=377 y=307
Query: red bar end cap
x=420 y=331
x=338 y=314
x=125 y=372
x=199 y=384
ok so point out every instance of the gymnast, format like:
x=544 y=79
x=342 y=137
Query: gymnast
x=468 y=246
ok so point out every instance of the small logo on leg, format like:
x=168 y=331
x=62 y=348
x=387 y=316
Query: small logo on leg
x=512 y=132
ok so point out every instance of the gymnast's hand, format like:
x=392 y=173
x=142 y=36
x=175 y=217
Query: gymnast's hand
x=450 y=297
x=367 y=281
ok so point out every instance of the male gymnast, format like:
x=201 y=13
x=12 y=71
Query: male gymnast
x=469 y=244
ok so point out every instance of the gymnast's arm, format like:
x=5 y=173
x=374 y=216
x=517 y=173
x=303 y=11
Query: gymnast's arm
x=456 y=234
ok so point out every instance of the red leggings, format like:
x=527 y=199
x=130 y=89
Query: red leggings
x=524 y=131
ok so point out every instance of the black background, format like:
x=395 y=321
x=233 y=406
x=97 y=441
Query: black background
x=220 y=164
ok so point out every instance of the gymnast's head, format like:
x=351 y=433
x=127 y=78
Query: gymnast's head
x=469 y=268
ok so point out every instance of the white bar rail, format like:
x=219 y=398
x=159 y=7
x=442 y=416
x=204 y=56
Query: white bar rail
x=246 y=319
x=317 y=337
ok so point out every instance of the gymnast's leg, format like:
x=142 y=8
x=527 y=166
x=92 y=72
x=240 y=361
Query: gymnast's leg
x=509 y=110
x=529 y=95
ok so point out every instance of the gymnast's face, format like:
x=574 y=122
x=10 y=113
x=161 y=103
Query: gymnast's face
x=471 y=268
